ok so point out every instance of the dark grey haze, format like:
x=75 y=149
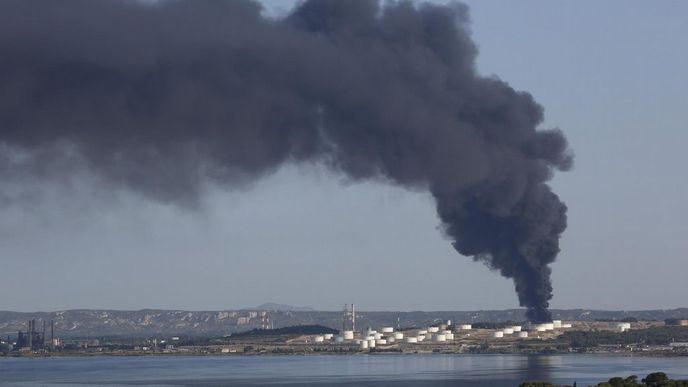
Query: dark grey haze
x=163 y=97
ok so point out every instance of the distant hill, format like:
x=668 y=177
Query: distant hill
x=283 y=307
x=161 y=323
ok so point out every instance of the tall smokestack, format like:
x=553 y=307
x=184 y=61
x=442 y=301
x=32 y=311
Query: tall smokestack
x=124 y=90
x=31 y=328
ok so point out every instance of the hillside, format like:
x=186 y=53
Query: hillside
x=148 y=322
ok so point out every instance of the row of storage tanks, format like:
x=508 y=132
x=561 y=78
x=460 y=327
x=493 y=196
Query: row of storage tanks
x=387 y=335
x=517 y=329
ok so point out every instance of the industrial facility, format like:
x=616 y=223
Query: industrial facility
x=34 y=340
x=442 y=333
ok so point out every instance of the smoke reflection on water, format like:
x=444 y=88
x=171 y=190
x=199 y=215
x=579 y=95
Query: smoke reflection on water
x=539 y=367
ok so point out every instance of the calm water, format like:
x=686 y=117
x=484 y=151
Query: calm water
x=356 y=370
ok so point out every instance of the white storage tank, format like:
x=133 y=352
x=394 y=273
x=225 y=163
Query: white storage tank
x=319 y=339
x=449 y=336
x=622 y=327
x=523 y=334
x=390 y=340
x=411 y=339
x=398 y=335
x=421 y=338
x=380 y=342
x=371 y=344
x=557 y=323
x=466 y=327
x=549 y=326
x=364 y=344
x=387 y=329
x=433 y=329
x=566 y=325
x=348 y=335
x=498 y=334
x=422 y=332
x=517 y=328
x=540 y=328
x=377 y=336
x=328 y=336
x=508 y=331
x=370 y=337
x=439 y=337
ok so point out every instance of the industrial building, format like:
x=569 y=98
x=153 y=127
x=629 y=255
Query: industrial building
x=33 y=340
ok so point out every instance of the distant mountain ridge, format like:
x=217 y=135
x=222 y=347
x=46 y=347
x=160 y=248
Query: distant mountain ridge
x=157 y=323
x=283 y=307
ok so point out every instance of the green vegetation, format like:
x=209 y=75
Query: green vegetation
x=625 y=319
x=293 y=330
x=494 y=325
x=650 y=336
x=655 y=379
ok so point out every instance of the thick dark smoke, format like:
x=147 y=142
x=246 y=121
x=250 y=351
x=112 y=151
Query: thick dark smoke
x=161 y=97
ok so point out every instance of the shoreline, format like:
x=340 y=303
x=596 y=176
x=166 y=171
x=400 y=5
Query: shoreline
x=349 y=353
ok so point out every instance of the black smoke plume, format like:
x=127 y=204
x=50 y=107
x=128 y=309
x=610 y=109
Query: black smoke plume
x=163 y=96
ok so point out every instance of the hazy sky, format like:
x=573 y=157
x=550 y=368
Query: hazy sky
x=611 y=74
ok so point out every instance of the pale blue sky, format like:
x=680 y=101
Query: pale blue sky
x=611 y=74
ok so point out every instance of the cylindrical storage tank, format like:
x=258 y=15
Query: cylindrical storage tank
x=449 y=336
x=390 y=339
x=411 y=339
x=398 y=335
x=433 y=329
x=508 y=331
x=439 y=337
x=387 y=329
x=498 y=334
x=422 y=332
x=364 y=344
x=549 y=326
x=328 y=336
x=540 y=328
x=444 y=332
x=465 y=327
x=371 y=332
x=380 y=342
x=516 y=328
x=421 y=338
x=338 y=339
x=377 y=336
x=557 y=323
x=370 y=338
x=448 y=322
x=348 y=335
x=566 y=325
x=371 y=343
x=319 y=339
x=523 y=334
